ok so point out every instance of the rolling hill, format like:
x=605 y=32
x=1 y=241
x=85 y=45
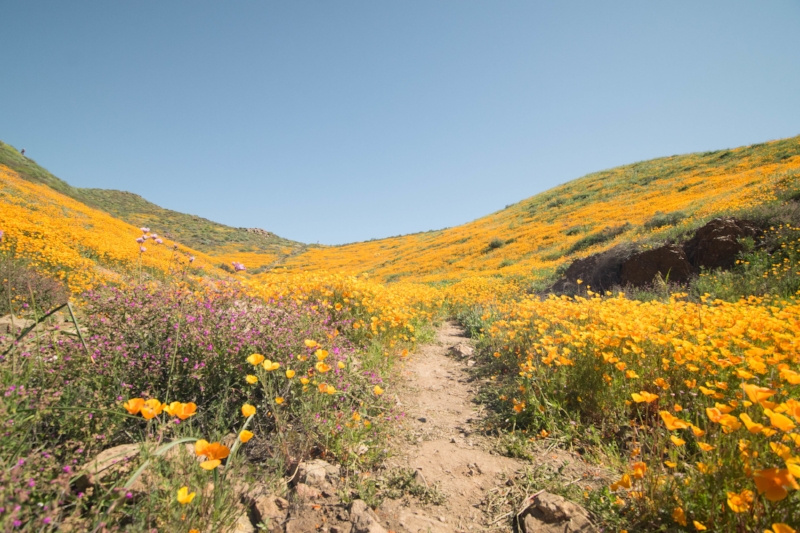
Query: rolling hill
x=647 y=201
x=256 y=247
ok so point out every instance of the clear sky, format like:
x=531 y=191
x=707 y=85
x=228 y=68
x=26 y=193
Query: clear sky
x=338 y=121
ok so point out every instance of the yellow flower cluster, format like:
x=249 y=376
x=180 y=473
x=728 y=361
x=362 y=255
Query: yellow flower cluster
x=735 y=367
x=80 y=245
x=389 y=312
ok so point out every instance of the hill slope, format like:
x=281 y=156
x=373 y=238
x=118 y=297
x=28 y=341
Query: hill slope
x=650 y=200
x=261 y=247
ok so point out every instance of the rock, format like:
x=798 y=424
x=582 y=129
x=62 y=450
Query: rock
x=15 y=326
x=282 y=503
x=346 y=527
x=112 y=460
x=669 y=261
x=600 y=271
x=317 y=473
x=364 y=519
x=716 y=244
x=416 y=522
x=462 y=349
x=306 y=492
x=471 y=363
x=268 y=509
x=259 y=231
x=242 y=525
x=553 y=514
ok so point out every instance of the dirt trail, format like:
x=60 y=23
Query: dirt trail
x=438 y=398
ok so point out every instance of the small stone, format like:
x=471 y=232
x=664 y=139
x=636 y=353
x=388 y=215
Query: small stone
x=317 y=472
x=462 y=349
x=422 y=419
x=267 y=509
x=242 y=525
x=282 y=503
x=443 y=520
x=364 y=519
x=551 y=514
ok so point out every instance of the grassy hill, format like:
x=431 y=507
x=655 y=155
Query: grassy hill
x=652 y=200
x=261 y=247
x=648 y=201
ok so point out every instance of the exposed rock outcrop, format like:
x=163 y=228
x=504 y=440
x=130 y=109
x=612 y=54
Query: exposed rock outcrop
x=259 y=231
x=714 y=245
x=668 y=261
x=599 y=271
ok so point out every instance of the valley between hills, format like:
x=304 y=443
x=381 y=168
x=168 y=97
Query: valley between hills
x=618 y=353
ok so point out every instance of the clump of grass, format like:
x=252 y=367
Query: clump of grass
x=596 y=238
x=394 y=484
x=660 y=219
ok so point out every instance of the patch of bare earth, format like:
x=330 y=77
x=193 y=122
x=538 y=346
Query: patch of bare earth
x=446 y=449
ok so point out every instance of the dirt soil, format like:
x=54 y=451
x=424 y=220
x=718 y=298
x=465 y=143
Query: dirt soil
x=442 y=443
x=447 y=450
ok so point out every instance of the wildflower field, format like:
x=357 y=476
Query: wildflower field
x=207 y=379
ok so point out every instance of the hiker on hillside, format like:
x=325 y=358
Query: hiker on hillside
x=22 y=151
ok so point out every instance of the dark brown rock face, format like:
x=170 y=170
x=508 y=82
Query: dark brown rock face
x=599 y=271
x=669 y=261
x=716 y=244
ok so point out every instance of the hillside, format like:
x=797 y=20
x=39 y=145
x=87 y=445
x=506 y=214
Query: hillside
x=252 y=246
x=651 y=200
x=81 y=245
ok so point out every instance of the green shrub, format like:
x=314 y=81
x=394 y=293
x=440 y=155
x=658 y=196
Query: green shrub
x=496 y=243
x=664 y=219
x=599 y=237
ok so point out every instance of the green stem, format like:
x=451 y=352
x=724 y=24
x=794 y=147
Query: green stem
x=78 y=329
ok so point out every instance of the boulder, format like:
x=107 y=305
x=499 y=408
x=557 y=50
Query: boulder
x=553 y=514
x=716 y=244
x=669 y=261
x=113 y=460
x=364 y=519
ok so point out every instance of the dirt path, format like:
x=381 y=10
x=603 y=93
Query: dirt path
x=438 y=398
x=450 y=459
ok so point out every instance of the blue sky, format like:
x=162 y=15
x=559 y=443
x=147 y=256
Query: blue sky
x=334 y=122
